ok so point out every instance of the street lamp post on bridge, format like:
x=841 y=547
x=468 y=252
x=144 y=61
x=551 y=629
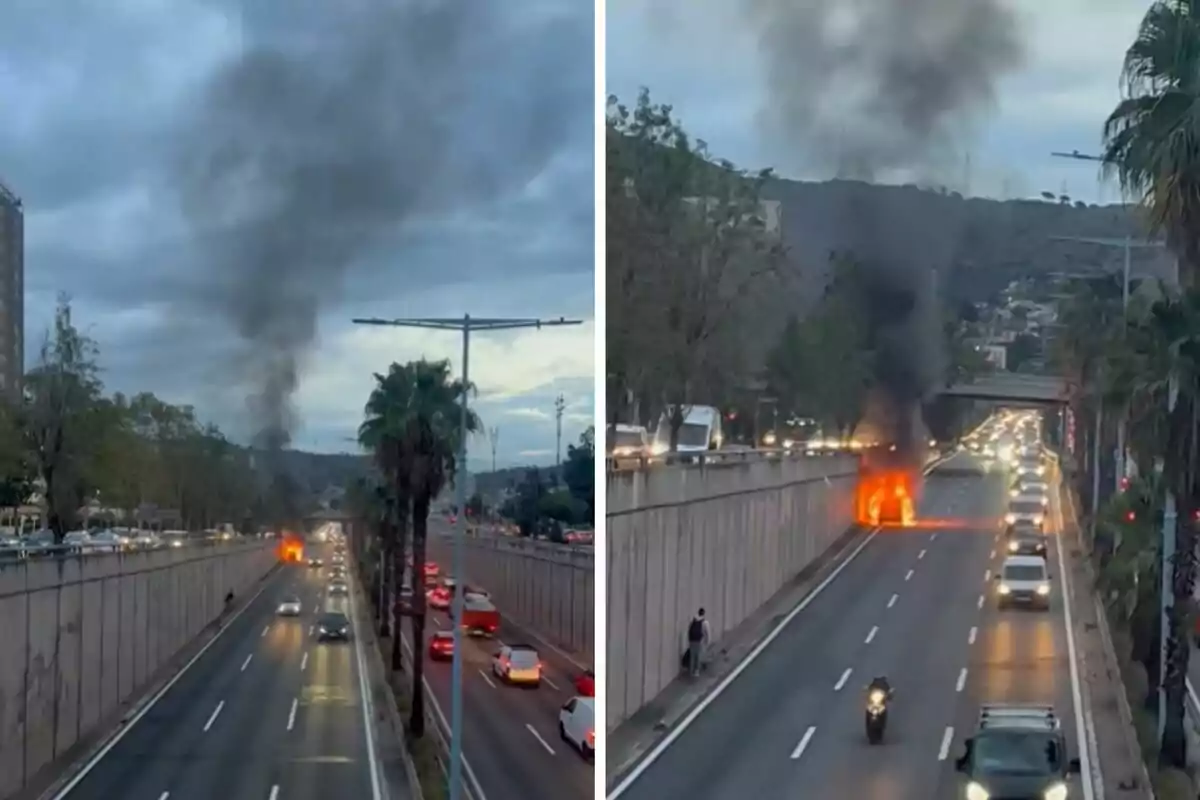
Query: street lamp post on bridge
x=466 y=324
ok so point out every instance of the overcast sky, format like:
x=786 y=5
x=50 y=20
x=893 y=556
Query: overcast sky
x=221 y=190
x=712 y=59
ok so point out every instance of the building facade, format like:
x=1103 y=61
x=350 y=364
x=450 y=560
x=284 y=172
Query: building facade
x=12 y=293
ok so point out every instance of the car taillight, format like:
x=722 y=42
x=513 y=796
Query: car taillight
x=592 y=738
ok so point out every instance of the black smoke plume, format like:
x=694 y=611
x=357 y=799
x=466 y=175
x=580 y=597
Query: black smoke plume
x=337 y=124
x=874 y=90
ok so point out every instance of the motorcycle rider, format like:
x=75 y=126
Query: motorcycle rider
x=880 y=683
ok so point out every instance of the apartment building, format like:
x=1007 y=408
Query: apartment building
x=12 y=292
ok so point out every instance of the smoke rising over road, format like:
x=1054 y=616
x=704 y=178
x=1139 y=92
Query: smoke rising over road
x=875 y=89
x=336 y=126
x=869 y=86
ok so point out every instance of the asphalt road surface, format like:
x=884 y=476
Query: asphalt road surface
x=267 y=713
x=510 y=734
x=916 y=605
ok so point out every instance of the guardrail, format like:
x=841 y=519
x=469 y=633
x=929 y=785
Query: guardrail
x=634 y=463
x=20 y=552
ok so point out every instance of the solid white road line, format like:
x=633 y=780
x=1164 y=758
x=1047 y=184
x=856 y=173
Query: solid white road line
x=808 y=734
x=368 y=710
x=947 y=740
x=871 y=635
x=962 y=680
x=246 y=663
x=213 y=717
x=1083 y=734
x=971 y=636
x=153 y=701
x=487 y=678
x=538 y=736
x=842 y=680
x=909 y=575
x=304 y=662
x=553 y=685
x=685 y=723
x=892 y=602
x=292 y=714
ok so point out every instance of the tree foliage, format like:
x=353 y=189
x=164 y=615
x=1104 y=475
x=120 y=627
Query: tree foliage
x=144 y=462
x=688 y=243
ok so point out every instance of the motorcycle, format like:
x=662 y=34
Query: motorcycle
x=876 y=714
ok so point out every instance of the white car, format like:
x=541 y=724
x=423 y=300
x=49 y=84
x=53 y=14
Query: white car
x=577 y=724
x=289 y=607
x=1023 y=580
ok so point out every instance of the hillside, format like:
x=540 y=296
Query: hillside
x=977 y=245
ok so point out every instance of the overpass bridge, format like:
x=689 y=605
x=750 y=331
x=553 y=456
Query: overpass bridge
x=1012 y=387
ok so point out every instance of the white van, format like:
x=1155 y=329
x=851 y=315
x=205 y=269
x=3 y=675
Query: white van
x=1023 y=580
x=577 y=725
x=701 y=431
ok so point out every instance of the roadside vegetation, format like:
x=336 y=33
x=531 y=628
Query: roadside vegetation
x=704 y=307
x=1135 y=378
x=72 y=455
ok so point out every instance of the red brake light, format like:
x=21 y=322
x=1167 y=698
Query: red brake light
x=592 y=738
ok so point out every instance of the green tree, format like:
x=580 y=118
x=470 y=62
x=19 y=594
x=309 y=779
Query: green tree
x=418 y=405
x=687 y=243
x=61 y=416
x=1150 y=145
x=579 y=472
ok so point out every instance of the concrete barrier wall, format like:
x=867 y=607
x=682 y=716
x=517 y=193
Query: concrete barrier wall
x=80 y=636
x=725 y=537
x=546 y=587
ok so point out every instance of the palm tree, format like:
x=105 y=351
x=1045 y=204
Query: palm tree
x=432 y=435
x=383 y=434
x=1152 y=143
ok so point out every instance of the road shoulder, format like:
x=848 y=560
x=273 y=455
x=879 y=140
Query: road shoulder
x=629 y=742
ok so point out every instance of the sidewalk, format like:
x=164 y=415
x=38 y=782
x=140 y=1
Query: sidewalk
x=637 y=735
x=1116 y=761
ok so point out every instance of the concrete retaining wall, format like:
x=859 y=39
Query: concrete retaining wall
x=79 y=636
x=725 y=537
x=546 y=587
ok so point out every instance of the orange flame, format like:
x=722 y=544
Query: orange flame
x=886 y=498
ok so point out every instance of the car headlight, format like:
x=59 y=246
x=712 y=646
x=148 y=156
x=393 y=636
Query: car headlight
x=1038 y=519
x=658 y=448
x=976 y=792
x=1010 y=518
x=877 y=697
x=324 y=629
x=1042 y=471
x=1056 y=792
x=1043 y=589
x=1045 y=502
x=1004 y=589
x=1013 y=547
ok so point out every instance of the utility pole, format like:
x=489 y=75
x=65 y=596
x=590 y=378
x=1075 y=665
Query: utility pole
x=560 y=405
x=465 y=325
x=493 y=438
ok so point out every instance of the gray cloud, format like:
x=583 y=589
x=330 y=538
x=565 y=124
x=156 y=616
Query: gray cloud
x=294 y=163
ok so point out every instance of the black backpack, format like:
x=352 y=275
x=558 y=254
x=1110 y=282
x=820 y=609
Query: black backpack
x=696 y=630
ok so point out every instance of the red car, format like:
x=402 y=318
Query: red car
x=439 y=597
x=441 y=646
x=585 y=684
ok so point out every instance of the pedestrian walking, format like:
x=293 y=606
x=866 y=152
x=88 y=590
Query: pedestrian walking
x=698 y=635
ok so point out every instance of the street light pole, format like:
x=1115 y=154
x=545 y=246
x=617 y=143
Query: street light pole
x=465 y=324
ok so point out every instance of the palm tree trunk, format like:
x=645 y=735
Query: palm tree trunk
x=399 y=564
x=387 y=539
x=420 y=523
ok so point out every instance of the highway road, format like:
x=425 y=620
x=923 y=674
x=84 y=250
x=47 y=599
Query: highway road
x=916 y=605
x=265 y=713
x=510 y=734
